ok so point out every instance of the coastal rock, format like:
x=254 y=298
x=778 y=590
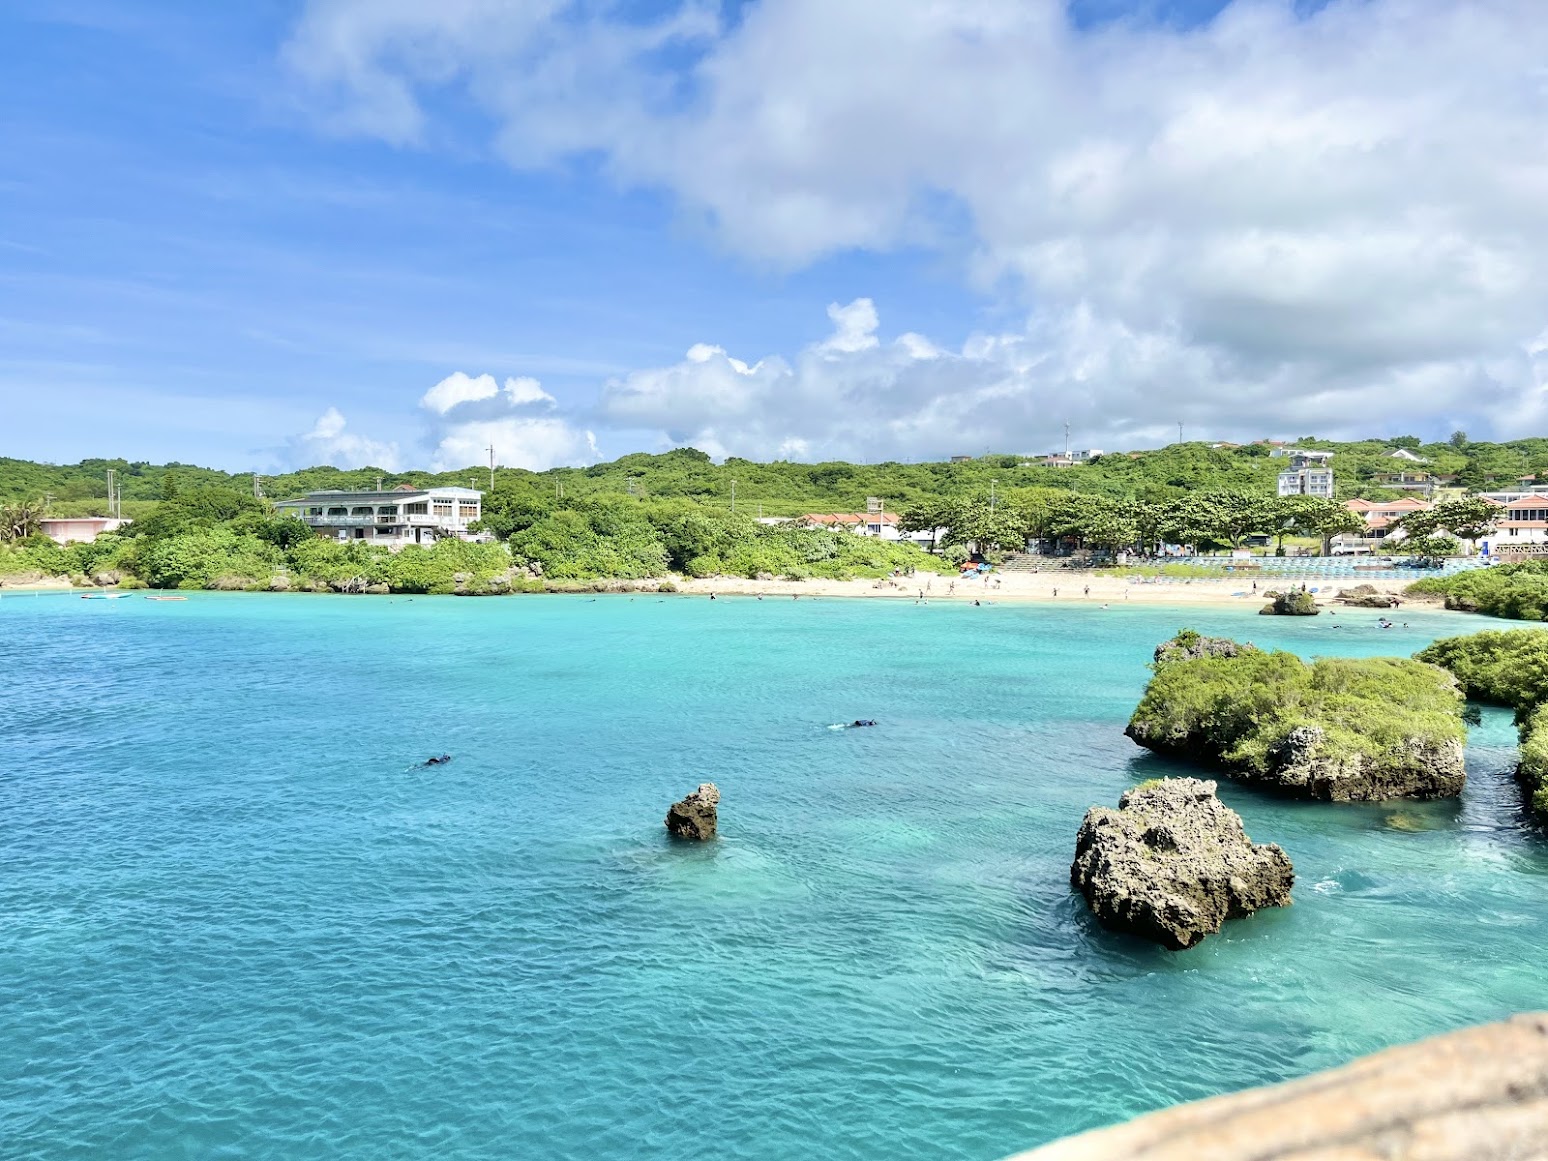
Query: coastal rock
x=1295 y=603
x=1189 y=645
x=1302 y=765
x=1480 y=1094
x=696 y=816
x=107 y=578
x=378 y=589
x=354 y=584
x=279 y=584
x=1173 y=863
x=229 y=584
x=1367 y=597
x=1337 y=730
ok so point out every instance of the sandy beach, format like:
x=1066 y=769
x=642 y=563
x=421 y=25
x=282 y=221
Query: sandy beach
x=1074 y=587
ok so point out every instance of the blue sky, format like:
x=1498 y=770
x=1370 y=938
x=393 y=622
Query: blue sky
x=879 y=235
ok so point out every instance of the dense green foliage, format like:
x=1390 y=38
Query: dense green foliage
x=1534 y=760
x=1508 y=668
x=1239 y=710
x=1204 y=519
x=1505 y=667
x=786 y=489
x=210 y=536
x=1517 y=591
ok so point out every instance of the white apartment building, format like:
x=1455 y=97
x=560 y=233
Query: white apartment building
x=406 y=515
x=1307 y=482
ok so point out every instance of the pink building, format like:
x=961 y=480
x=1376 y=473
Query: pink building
x=78 y=529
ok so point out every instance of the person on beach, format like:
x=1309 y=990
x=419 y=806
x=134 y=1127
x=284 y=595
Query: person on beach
x=1088 y=590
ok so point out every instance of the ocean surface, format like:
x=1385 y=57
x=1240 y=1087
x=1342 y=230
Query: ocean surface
x=237 y=921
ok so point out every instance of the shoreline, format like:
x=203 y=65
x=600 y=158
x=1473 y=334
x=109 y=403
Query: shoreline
x=1080 y=589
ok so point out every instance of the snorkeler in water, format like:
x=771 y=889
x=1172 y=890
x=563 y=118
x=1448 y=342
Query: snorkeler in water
x=441 y=761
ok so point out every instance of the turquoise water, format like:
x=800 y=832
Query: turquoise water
x=238 y=924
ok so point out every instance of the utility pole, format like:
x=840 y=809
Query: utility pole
x=992 y=483
x=733 y=495
x=110 y=474
x=491 y=465
x=1179 y=431
x=257 y=486
x=1066 y=439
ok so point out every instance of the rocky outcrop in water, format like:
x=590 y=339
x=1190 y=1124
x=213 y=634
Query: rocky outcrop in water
x=695 y=817
x=1173 y=863
x=1304 y=765
x=1190 y=645
x=1476 y=1095
x=1367 y=597
x=1295 y=603
x=1338 y=730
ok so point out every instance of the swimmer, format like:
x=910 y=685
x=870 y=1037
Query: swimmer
x=441 y=761
x=860 y=722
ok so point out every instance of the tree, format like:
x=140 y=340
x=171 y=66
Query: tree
x=1428 y=548
x=1458 y=439
x=927 y=516
x=20 y=520
x=1468 y=518
x=1321 y=517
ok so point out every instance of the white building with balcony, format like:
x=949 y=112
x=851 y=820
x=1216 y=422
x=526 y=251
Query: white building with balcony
x=1307 y=482
x=403 y=516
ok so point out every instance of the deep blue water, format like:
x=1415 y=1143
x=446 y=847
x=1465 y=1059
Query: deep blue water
x=236 y=923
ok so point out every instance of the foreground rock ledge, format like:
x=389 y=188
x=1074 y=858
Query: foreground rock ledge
x=696 y=816
x=1173 y=863
x=1476 y=1095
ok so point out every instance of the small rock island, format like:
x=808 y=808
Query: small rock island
x=696 y=816
x=1173 y=863
x=1338 y=729
x=1295 y=603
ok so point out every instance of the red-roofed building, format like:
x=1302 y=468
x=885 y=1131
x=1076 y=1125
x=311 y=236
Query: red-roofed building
x=1525 y=522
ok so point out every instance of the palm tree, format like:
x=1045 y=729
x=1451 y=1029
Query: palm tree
x=19 y=520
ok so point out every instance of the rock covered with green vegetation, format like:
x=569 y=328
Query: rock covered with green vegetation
x=1509 y=668
x=1295 y=603
x=1190 y=645
x=1515 y=591
x=1338 y=729
x=1173 y=863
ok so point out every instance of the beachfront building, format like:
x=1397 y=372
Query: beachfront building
x=78 y=529
x=1523 y=529
x=881 y=525
x=405 y=515
x=1306 y=481
x=1381 y=518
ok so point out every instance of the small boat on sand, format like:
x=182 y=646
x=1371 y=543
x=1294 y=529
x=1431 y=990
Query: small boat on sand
x=166 y=598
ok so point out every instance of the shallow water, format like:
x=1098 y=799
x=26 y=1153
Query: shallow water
x=237 y=922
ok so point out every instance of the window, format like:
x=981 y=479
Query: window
x=440 y=509
x=420 y=509
x=338 y=511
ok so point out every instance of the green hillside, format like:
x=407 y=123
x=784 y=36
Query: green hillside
x=784 y=488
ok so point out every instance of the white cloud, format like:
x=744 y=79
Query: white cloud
x=907 y=397
x=469 y=414
x=330 y=443
x=458 y=388
x=1336 y=222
